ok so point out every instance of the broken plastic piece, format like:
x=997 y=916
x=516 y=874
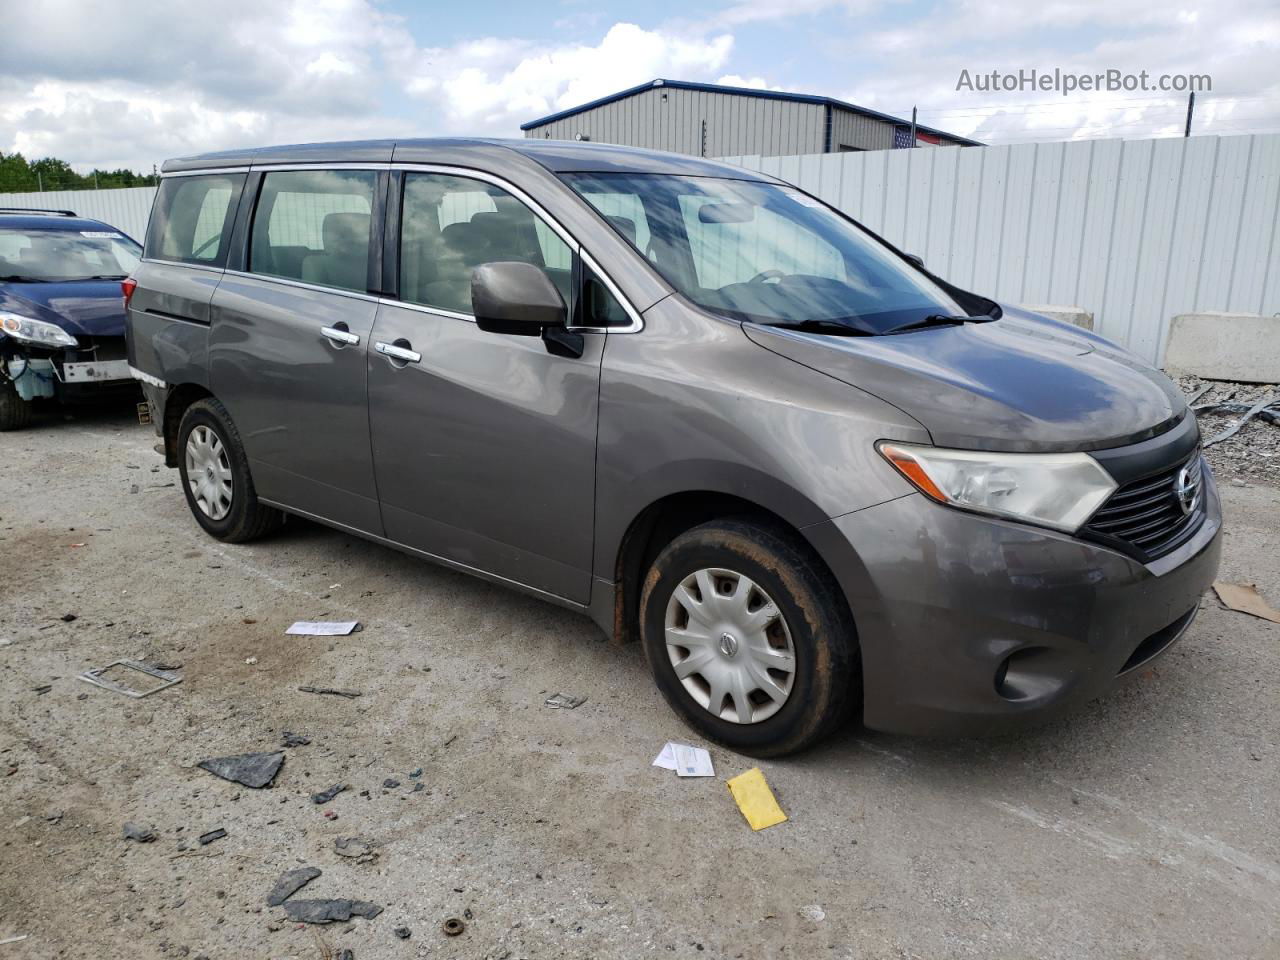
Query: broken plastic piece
x=308 y=628
x=756 y=801
x=324 y=796
x=255 y=770
x=563 y=701
x=290 y=882
x=95 y=677
x=349 y=694
x=1249 y=415
x=208 y=838
x=1244 y=598
x=362 y=851
x=141 y=832
x=328 y=911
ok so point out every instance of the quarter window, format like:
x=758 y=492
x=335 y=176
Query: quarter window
x=192 y=217
x=313 y=226
x=450 y=225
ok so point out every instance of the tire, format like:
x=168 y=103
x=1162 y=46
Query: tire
x=15 y=413
x=215 y=476
x=807 y=616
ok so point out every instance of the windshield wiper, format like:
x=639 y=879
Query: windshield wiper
x=101 y=276
x=823 y=326
x=14 y=278
x=933 y=320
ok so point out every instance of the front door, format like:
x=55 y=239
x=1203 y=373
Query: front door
x=288 y=341
x=483 y=444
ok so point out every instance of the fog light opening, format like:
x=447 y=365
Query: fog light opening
x=1032 y=673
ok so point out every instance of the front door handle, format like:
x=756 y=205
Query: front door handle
x=345 y=337
x=397 y=352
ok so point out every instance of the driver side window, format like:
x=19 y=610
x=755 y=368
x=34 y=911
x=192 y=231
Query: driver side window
x=738 y=252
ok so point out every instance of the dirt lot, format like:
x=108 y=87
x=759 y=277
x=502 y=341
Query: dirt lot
x=1144 y=827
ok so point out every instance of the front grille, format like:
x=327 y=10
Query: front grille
x=1148 y=516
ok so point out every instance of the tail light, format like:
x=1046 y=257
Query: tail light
x=127 y=286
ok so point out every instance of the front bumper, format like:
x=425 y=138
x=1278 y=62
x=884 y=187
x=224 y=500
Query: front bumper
x=971 y=625
x=96 y=367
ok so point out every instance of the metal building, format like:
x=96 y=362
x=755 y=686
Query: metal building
x=709 y=120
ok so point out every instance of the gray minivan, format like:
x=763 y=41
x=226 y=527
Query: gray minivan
x=689 y=400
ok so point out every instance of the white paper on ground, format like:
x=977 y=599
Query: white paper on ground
x=667 y=758
x=692 y=761
x=305 y=628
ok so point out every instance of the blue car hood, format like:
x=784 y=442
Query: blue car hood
x=83 y=308
x=1020 y=383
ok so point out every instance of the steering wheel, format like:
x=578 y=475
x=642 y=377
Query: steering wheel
x=206 y=245
x=764 y=275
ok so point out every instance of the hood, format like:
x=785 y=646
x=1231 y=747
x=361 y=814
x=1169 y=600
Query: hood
x=1021 y=383
x=83 y=308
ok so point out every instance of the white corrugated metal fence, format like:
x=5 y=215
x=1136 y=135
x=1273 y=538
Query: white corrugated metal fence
x=1133 y=231
x=125 y=209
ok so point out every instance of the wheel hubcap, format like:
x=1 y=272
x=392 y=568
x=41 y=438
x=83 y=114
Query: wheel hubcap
x=209 y=473
x=730 y=646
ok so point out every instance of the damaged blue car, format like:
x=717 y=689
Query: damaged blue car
x=61 y=311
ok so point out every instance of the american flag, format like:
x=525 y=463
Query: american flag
x=902 y=138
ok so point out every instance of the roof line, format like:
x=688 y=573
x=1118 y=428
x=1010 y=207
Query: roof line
x=746 y=92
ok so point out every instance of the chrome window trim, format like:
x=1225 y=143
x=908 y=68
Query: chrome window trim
x=423 y=308
x=303 y=285
x=316 y=167
x=181 y=263
x=637 y=323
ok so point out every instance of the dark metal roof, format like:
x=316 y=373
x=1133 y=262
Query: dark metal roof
x=744 y=92
x=40 y=220
x=554 y=155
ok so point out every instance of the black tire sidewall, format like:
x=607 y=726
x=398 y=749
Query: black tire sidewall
x=821 y=633
x=210 y=414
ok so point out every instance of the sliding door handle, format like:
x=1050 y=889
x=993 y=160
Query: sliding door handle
x=397 y=352
x=344 y=337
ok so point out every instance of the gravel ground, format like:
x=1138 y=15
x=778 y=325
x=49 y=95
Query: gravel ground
x=1143 y=827
x=1253 y=454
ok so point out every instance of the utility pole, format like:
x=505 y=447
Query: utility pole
x=1191 y=108
x=39 y=182
x=913 y=127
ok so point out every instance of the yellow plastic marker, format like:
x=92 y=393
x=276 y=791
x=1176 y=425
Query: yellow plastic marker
x=755 y=799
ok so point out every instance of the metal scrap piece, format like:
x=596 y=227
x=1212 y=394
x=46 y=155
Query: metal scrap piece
x=1252 y=412
x=329 y=911
x=96 y=678
x=255 y=770
x=290 y=882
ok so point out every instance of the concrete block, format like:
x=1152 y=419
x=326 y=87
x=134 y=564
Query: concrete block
x=1225 y=346
x=1077 y=316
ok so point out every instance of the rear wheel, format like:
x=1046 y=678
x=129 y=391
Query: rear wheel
x=15 y=413
x=748 y=639
x=215 y=476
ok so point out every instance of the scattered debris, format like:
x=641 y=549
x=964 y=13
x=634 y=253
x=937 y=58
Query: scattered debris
x=418 y=787
x=208 y=838
x=452 y=927
x=357 y=848
x=415 y=773
x=140 y=832
x=329 y=911
x=95 y=677
x=1250 y=413
x=404 y=933
x=390 y=784
x=255 y=770
x=330 y=815
x=685 y=760
x=69 y=617
x=307 y=628
x=294 y=740
x=813 y=912
x=290 y=882
x=251 y=660
x=563 y=701
x=42 y=689
x=1244 y=598
x=324 y=796
x=349 y=694
x=17 y=939
x=756 y=801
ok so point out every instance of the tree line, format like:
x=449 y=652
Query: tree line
x=20 y=175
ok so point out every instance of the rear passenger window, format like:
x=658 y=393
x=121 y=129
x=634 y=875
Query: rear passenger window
x=313 y=226
x=192 y=217
x=451 y=225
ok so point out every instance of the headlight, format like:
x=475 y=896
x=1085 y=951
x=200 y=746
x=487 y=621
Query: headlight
x=34 y=331
x=1059 y=490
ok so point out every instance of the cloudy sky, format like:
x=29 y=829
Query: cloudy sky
x=108 y=84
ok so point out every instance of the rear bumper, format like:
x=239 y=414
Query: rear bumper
x=970 y=625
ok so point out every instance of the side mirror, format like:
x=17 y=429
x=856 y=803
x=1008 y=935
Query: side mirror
x=515 y=298
x=916 y=259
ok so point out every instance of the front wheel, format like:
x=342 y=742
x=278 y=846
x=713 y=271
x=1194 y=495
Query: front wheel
x=15 y=413
x=215 y=476
x=748 y=638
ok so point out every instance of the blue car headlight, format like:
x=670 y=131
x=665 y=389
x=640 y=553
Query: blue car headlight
x=37 y=332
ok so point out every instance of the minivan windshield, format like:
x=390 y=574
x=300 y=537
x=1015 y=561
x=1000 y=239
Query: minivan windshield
x=30 y=255
x=766 y=253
